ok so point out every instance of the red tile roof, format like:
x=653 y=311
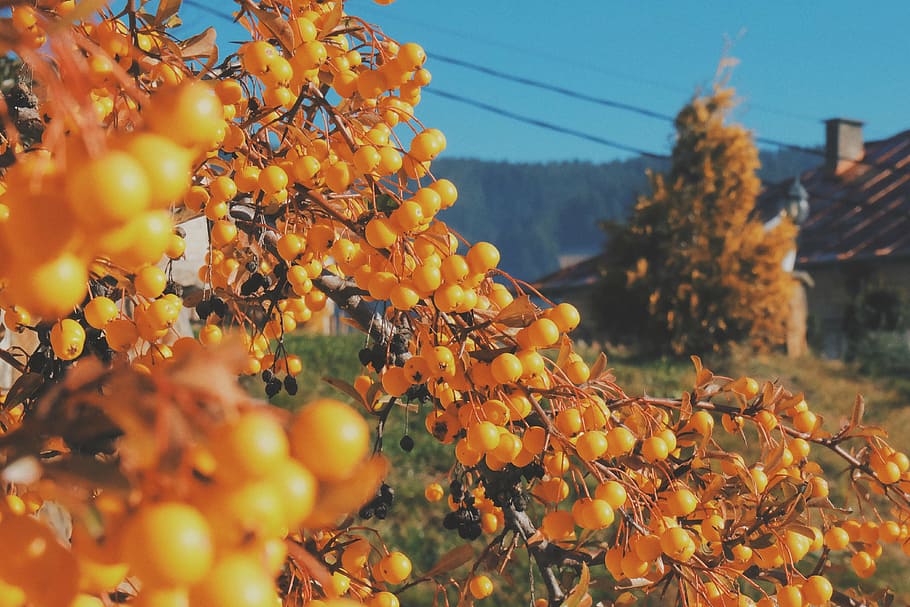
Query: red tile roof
x=576 y=276
x=863 y=213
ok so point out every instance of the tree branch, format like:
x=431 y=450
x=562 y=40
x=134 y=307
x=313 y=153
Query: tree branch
x=545 y=558
x=350 y=298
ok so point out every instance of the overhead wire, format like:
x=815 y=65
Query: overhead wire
x=544 y=124
x=606 y=102
x=619 y=105
x=500 y=111
x=598 y=69
x=584 y=97
x=537 y=53
x=594 y=138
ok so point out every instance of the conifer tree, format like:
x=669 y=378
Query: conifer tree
x=695 y=269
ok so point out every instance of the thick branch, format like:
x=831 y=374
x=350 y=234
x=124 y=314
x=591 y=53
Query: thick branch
x=350 y=298
x=545 y=558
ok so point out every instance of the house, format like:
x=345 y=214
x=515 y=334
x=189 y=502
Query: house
x=855 y=233
x=576 y=283
x=853 y=211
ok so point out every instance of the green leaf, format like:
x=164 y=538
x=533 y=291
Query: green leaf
x=385 y=203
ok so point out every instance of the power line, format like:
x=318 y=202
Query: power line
x=572 y=132
x=512 y=115
x=543 y=124
x=612 y=103
x=553 y=88
x=537 y=53
x=642 y=111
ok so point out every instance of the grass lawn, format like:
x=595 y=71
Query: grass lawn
x=415 y=526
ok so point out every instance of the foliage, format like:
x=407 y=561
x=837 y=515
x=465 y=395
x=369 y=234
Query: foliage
x=321 y=356
x=882 y=352
x=874 y=323
x=135 y=469
x=695 y=270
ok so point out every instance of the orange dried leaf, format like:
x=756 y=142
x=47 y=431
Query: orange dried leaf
x=599 y=366
x=352 y=323
x=166 y=10
x=696 y=362
x=372 y=395
x=25 y=387
x=520 y=313
x=343 y=386
x=451 y=560
x=581 y=589
x=859 y=408
x=275 y=23
x=565 y=349
x=201 y=46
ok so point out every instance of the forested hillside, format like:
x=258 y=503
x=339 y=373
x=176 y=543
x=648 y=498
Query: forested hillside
x=537 y=212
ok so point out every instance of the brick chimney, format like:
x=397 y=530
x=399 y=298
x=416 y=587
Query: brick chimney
x=843 y=144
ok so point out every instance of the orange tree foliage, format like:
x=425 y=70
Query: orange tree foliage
x=137 y=472
x=695 y=268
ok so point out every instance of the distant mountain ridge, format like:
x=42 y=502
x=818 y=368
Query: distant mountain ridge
x=536 y=213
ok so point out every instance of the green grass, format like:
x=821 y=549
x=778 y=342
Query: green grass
x=415 y=526
x=323 y=356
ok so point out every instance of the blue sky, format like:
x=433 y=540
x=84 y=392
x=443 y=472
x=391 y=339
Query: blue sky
x=799 y=63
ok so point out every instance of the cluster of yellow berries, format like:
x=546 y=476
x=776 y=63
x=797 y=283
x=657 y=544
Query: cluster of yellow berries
x=216 y=537
x=98 y=211
x=683 y=521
